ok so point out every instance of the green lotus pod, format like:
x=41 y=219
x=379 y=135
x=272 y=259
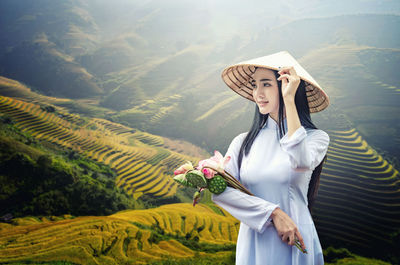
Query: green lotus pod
x=196 y=178
x=181 y=179
x=217 y=184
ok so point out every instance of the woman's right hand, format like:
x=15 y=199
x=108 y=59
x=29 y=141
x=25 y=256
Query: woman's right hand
x=286 y=228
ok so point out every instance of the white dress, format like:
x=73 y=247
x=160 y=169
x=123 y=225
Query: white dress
x=277 y=171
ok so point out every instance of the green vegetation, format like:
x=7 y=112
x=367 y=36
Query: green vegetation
x=106 y=143
x=343 y=256
x=45 y=180
x=42 y=263
x=197 y=259
x=189 y=240
x=332 y=255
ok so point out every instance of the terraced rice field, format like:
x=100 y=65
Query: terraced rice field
x=145 y=167
x=128 y=237
x=358 y=201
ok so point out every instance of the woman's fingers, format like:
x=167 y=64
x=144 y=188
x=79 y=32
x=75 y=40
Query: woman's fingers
x=288 y=238
x=291 y=239
x=283 y=76
x=287 y=230
x=300 y=239
x=289 y=69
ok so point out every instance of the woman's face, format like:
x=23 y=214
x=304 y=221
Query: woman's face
x=265 y=89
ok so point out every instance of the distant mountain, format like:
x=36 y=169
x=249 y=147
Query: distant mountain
x=41 y=65
x=129 y=52
x=68 y=24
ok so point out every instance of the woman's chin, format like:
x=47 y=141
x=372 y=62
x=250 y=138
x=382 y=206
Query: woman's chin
x=264 y=111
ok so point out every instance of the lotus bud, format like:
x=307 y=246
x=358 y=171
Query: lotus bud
x=184 y=168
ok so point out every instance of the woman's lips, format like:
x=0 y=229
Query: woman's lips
x=263 y=103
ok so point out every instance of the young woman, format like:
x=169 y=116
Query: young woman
x=279 y=160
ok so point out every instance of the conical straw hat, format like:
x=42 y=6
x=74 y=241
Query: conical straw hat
x=237 y=77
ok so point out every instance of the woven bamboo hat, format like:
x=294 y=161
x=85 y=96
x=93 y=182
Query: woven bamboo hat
x=237 y=77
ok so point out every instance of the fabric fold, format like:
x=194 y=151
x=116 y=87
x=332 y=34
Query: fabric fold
x=306 y=148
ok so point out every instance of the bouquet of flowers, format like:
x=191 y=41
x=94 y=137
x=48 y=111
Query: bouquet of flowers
x=210 y=174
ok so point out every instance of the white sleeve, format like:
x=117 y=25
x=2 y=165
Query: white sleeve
x=251 y=210
x=306 y=149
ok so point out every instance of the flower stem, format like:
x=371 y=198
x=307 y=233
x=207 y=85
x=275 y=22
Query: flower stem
x=298 y=245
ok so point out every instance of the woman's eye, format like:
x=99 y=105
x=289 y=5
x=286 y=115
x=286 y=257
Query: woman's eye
x=266 y=84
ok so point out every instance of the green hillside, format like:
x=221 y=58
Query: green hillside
x=142 y=165
x=40 y=179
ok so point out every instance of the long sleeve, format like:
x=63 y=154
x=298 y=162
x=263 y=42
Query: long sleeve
x=251 y=210
x=306 y=149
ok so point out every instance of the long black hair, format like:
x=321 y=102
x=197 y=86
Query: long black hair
x=305 y=120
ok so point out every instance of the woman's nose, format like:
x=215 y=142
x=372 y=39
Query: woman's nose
x=260 y=94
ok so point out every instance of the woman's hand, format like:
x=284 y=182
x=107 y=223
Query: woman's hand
x=290 y=81
x=286 y=228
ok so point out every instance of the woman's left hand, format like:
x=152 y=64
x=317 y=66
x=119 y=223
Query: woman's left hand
x=290 y=81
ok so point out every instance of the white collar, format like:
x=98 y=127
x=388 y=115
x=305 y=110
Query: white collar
x=272 y=124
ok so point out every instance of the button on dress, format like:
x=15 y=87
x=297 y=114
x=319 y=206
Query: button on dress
x=278 y=172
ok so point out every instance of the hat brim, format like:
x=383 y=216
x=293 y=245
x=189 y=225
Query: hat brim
x=237 y=77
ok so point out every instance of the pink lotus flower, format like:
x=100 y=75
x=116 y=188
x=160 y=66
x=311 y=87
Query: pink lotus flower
x=217 y=161
x=208 y=173
x=184 y=168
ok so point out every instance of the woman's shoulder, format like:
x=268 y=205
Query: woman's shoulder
x=238 y=139
x=317 y=133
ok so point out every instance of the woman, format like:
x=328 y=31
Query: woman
x=279 y=160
